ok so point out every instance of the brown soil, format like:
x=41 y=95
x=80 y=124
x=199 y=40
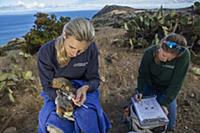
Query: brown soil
x=118 y=69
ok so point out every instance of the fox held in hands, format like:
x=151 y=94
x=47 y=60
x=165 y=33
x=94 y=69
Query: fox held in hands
x=65 y=92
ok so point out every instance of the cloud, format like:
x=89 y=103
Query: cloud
x=34 y=4
x=21 y=6
x=20 y=3
x=58 y=5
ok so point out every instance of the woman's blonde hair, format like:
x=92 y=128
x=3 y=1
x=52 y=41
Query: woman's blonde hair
x=81 y=29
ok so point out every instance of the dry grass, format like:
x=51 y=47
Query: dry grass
x=118 y=70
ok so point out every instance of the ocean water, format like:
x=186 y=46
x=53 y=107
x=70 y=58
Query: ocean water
x=16 y=26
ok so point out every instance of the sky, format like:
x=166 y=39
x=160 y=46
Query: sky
x=9 y=6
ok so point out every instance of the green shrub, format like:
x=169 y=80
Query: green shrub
x=148 y=28
x=14 y=79
x=46 y=27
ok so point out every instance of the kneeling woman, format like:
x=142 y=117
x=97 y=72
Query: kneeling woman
x=162 y=72
x=73 y=56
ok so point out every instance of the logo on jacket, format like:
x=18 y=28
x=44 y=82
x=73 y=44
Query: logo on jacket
x=81 y=64
x=168 y=66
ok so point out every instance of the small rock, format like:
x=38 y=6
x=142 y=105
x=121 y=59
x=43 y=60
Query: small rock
x=10 y=130
x=192 y=95
x=186 y=109
x=103 y=79
x=111 y=121
x=185 y=127
x=196 y=77
x=108 y=60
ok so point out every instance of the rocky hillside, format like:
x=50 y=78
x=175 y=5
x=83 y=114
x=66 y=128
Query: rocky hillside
x=115 y=9
x=113 y=15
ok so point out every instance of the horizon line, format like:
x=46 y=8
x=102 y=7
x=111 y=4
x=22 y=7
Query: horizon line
x=49 y=10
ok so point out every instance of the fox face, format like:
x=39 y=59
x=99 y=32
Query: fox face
x=64 y=91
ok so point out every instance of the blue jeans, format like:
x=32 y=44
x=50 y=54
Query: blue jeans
x=172 y=108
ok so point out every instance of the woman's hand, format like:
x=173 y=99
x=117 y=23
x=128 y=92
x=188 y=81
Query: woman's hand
x=165 y=110
x=80 y=95
x=138 y=97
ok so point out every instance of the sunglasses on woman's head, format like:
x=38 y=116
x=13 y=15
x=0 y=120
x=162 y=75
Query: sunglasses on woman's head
x=174 y=45
x=171 y=44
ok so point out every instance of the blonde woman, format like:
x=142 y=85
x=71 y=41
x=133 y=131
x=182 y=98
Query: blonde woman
x=73 y=56
x=162 y=72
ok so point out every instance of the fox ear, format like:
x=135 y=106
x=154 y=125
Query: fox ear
x=67 y=88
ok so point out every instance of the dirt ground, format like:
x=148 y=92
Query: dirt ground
x=118 y=70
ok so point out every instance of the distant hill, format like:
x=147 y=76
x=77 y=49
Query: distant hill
x=115 y=9
x=114 y=15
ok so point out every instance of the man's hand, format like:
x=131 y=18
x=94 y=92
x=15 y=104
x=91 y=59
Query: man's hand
x=80 y=95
